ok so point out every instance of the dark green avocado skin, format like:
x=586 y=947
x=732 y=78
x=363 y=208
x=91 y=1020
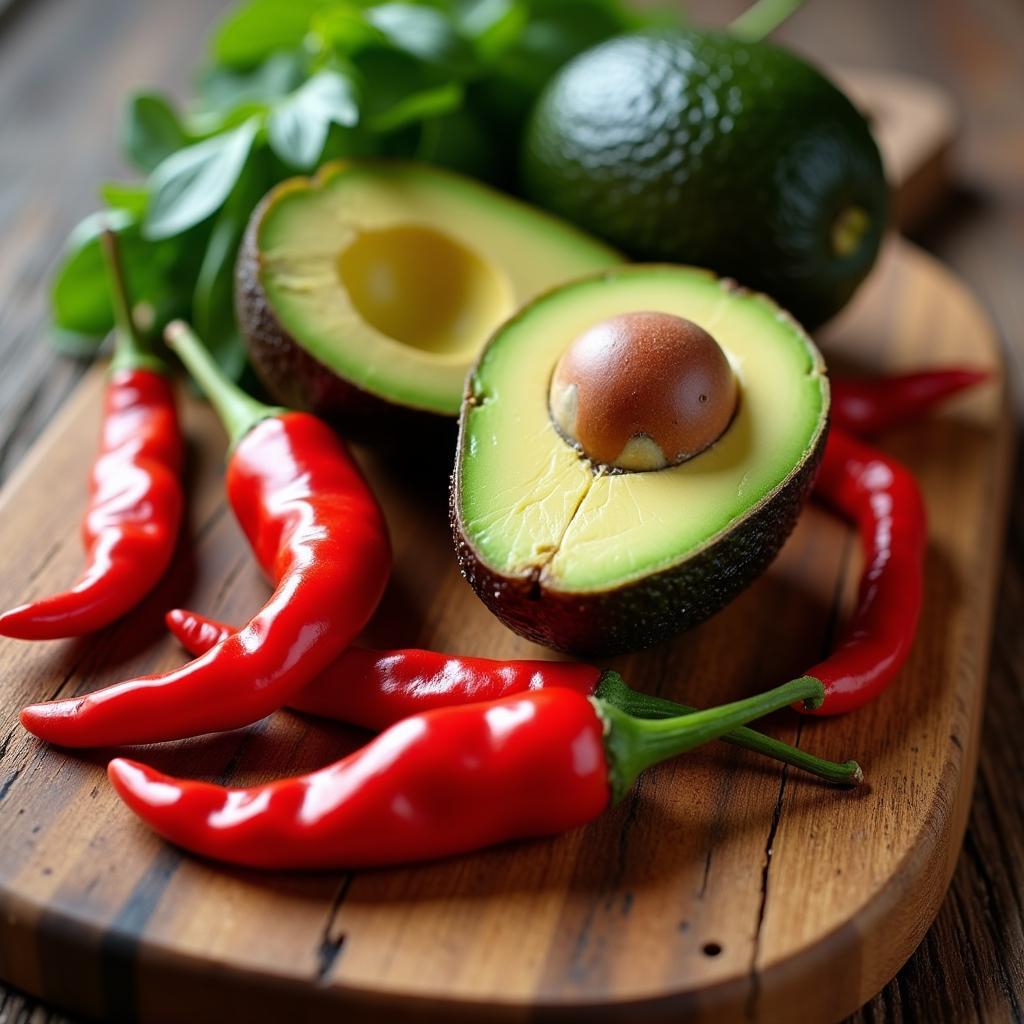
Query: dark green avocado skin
x=653 y=609
x=694 y=147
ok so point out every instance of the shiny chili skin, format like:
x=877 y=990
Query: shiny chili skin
x=882 y=498
x=871 y=405
x=442 y=782
x=435 y=784
x=319 y=534
x=135 y=493
x=375 y=689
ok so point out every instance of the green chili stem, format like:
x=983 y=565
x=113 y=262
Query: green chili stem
x=238 y=411
x=612 y=688
x=130 y=351
x=634 y=744
x=762 y=18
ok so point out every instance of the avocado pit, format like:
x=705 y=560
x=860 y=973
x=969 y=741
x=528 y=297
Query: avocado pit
x=642 y=391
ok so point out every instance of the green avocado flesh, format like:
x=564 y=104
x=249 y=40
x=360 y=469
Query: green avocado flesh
x=530 y=507
x=392 y=276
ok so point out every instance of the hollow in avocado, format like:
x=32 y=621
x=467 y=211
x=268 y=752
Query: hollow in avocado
x=634 y=448
x=375 y=284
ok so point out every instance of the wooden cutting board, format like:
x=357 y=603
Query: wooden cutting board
x=724 y=889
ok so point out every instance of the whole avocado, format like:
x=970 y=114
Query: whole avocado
x=691 y=146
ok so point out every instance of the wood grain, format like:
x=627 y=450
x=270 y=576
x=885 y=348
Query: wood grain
x=63 y=67
x=717 y=889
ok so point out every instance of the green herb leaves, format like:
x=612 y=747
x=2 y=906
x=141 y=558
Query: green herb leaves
x=190 y=185
x=294 y=83
x=298 y=126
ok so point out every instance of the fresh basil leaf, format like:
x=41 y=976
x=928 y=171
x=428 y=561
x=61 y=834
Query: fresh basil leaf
x=257 y=29
x=193 y=183
x=79 y=293
x=150 y=130
x=213 y=298
x=130 y=196
x=493 y=25
x=419 y=106
x=223 y=90
x=298 y=127
x=344 y=29
x=213 y=306
x=424 y=33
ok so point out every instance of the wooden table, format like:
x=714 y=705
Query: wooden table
x=64 y=67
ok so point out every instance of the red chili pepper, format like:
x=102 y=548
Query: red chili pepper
x=882 y=497
x=135 y=495
x=316 y=530
x=376 y=689
x=439 y=783
x=871 y=405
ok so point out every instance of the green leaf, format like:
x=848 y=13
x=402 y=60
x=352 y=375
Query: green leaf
x=79 y=293
x=254 y=31
x=419 y=106
x=213 y=306
x=224 y=90
x=193 y=183
x=344 y=29
x=422 y=32
x=150 y=130
x=298 y=127
x=213 y=298
x=130 y=196
x=493 y=26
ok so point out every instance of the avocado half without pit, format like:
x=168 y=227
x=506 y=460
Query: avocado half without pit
x=634 y=449
x=375 y=284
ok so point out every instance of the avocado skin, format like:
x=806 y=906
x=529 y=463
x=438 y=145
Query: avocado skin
x=653 y=609
x=294 y=378
x=741 y=169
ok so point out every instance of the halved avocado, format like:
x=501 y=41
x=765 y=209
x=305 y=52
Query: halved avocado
x=379 y=282
x=594 y=561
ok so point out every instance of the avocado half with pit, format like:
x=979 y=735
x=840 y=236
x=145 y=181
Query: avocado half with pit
x=375 y=284
x=634 y=449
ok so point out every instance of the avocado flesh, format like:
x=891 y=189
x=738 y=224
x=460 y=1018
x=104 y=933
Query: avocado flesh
x=530 y=511
x=392 y=276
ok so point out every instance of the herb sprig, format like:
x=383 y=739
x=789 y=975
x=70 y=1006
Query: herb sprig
x=290 y=84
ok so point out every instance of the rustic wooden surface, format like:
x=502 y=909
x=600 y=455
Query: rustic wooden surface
x=62 y=67
x=716 y=891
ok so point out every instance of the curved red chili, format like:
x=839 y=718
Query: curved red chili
x=443 y=782
x=135 y=495
x=871 y=405
x=316 y=530
x=376 y=689
x=882 y=497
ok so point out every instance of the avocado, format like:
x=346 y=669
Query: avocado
x=601 y=554
x=691 y=146
x=375 y=284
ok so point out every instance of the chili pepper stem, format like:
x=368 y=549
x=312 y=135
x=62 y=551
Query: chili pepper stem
x=130 y=351
x=613 y=688
x=634 y=744
x=238 y=411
